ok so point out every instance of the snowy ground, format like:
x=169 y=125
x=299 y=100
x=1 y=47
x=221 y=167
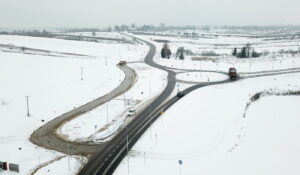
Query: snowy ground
x=219 y=131
x=105 y=120
x=71 y=165
x=208 y=132
x=224 y=46
x=54 y=86
x=199 y=77
x=104 y=51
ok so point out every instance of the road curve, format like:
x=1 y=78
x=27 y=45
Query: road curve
x=46 y=135
x=106 y=160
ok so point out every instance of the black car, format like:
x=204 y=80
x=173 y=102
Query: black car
x=180 y=94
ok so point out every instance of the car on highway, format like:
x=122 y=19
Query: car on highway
x=131 y=112
x=121 y=63
x=180 y=94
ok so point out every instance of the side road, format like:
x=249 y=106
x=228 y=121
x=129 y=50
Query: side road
x=46 y=135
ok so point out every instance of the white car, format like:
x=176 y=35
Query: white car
x=131 y=112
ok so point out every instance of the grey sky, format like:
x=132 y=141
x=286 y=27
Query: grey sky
x=98 y=13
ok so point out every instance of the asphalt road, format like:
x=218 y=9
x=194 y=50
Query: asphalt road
x=47 y=137
x=106 y=160
x=106 y=156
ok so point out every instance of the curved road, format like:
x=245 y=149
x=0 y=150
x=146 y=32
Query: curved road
x=106 y=156
x=47 y=137
x=106 y=160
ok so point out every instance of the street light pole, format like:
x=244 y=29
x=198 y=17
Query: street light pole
x=107 y=112
x=68 y=149
x=81 y=73
x=127 y=149
x=180 y=163
x=27 y=106
x=124 y=102
x=150 y=83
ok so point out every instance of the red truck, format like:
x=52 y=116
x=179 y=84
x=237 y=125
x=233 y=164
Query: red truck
x=232 y=73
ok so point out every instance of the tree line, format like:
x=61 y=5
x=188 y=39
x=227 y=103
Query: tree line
x=246 y=52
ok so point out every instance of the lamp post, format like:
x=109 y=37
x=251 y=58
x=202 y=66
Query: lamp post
x=27 y=106
x=81 y=73
x=180 y=163
x=68 y=148
x=127 y=148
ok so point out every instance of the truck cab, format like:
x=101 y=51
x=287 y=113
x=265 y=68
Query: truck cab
x=232 y=73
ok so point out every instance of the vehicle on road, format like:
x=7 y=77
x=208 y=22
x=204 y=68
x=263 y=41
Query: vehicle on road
x=131 y=112
x=121 y=63
x=180 y=94
x=232 y=73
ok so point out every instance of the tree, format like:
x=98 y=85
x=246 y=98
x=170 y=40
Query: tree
x=181 y=56
x=180 y=53
x=248 y=48
x=117 y=28
x=162 y=26
x=133 y=26
x=124 y=27
x=234 y=53
x=93 y=33
x=246 y=52
x=165 y=51
x=255 y=54
x=44 y=32
x=243 y=53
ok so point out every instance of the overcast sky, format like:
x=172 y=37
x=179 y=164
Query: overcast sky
x=99 y=13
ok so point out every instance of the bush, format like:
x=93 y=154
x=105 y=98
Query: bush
x=209 y=53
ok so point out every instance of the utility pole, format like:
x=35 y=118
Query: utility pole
x=81 y=73
x=150 y=82
x=68 y=149
x=127 y=140
x=180 y=163
x=124 y=101
x=127 y=149
x=27 y=106
x=249 y=67
x=107 y=112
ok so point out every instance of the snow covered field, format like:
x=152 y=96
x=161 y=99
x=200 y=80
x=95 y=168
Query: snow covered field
x=105 y=120
x=54 y=85
x=224 y=45
x=207 y=130
x=71 y=165
x=198 y=77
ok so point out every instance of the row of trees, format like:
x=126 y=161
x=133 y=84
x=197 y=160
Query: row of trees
x=246 y=52
x=166 y=52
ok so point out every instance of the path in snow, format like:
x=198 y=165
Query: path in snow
x=46 y=135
